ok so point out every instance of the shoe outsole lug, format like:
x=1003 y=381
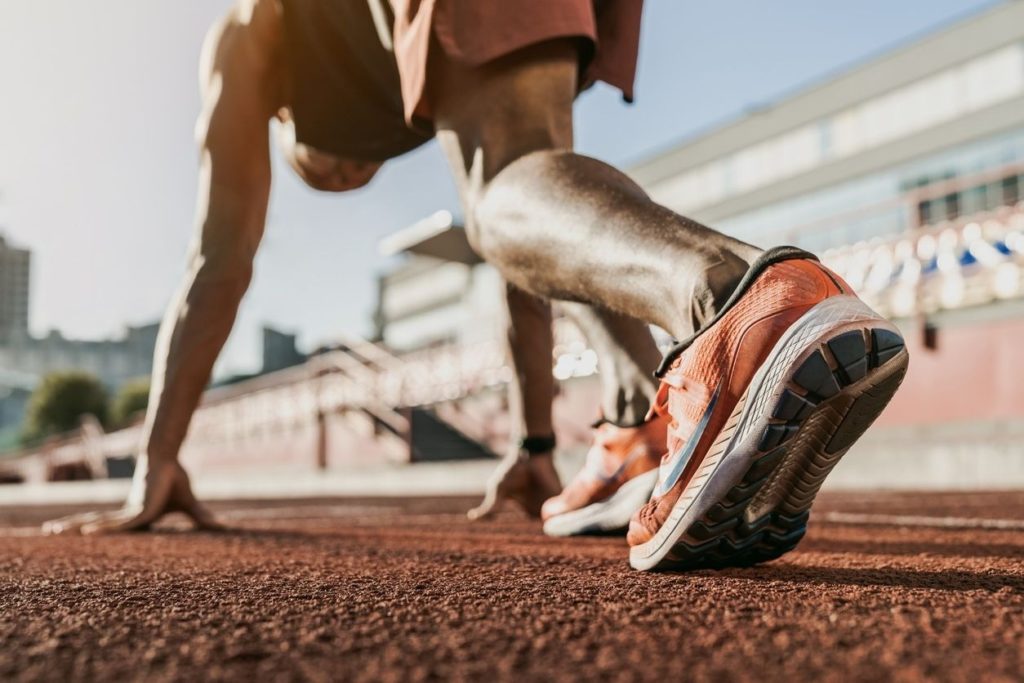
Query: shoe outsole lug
x=882 y=338
x=885 y=345
x=885 y=355
x=848 y=348
x=775 y=435
x=772 y=436
x=721 y=512
x=861 y=414
x=856 y=370
x=792 y=407
x=703 y=531
x=763 y=466
x=838 y=407
x=815 y=376
x=746 y=528
x=743 y=493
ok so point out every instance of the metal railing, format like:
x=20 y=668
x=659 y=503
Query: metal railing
x=365 y=379
x=955 y=264
x=907 y=205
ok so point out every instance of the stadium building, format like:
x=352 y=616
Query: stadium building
x=906 y=173
x=440 y=293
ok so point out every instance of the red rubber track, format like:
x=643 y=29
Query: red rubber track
x=386 y=590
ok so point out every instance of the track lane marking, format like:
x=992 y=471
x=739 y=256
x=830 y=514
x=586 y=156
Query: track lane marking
x=307 y=512
x=330 y=512
x=856 y=518
x=289 y=513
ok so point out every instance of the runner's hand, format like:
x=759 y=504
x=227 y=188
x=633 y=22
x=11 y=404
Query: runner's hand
x=528 y=481
x=155 y=492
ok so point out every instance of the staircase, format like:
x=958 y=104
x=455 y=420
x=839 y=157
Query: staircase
x=432 y=440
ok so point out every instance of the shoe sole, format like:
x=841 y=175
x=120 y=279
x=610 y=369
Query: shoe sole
x=824 y=383
x=611 y=514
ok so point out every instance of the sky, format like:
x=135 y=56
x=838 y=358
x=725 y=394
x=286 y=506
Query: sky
x=98 y=102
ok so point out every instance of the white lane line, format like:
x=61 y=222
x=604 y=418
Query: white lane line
x=923 y=521
x=21 y=531
x=308 y=512
x=303 y=512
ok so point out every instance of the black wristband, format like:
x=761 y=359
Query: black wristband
x=537 y=445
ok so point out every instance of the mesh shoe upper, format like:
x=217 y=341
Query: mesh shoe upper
x=617 y=455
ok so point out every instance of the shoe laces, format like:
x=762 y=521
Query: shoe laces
x=595 y=459
x=675 y=390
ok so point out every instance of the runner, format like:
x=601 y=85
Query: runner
x=783 y=367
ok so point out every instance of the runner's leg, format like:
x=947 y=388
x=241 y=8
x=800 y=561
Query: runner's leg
x=627 y=358
x=562 y=225
x=528 y=478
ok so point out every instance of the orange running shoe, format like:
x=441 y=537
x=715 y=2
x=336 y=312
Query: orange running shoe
x=764 y=401
x=616 y=480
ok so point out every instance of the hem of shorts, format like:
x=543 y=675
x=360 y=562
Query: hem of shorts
x=421 y=108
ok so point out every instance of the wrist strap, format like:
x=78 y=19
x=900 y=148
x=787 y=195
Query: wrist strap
x=537 y=445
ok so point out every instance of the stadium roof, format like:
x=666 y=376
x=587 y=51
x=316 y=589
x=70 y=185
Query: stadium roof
x=437 y=236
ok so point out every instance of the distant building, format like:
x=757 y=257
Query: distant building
x=843 y=161
x=906 y=174
x=14 y=288
x=15 y=390
x=439 y=293
x=24 y=359
x=112 y=360
x=279 y=350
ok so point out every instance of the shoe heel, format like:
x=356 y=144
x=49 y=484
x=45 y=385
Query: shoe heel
x=833 y=395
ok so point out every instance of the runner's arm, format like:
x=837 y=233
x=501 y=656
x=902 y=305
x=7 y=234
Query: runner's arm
x=234 y=187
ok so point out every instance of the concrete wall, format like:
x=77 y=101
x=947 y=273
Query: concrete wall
x=975 y=374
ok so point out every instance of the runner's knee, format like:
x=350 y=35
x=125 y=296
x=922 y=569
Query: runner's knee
x=504 y=204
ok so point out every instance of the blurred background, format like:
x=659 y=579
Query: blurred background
x=368 y=357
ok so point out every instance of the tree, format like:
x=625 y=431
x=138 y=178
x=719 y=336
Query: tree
x=131 y=399
x=59 y=402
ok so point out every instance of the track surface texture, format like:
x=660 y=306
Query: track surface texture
x=392 y=590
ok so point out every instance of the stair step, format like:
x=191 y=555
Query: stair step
x=433 y=439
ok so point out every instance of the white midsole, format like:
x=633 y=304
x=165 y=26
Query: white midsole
x=723 y=467
x=608 y=515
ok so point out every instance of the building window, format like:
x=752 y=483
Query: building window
x=970 y=200
x=1011 y=187
x=904 y=111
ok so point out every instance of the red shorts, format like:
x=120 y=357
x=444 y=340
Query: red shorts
x=353 y=96
x=475 y=32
